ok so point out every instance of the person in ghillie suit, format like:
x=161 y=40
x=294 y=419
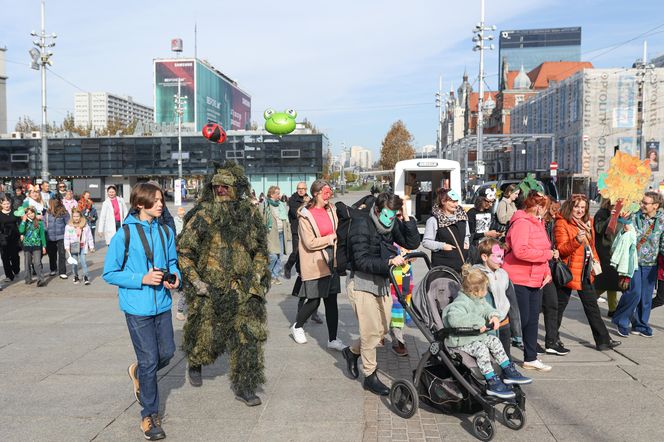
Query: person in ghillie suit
x=224 y=261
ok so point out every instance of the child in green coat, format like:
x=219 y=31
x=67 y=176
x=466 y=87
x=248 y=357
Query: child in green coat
x=33 y=239
x=470 y=310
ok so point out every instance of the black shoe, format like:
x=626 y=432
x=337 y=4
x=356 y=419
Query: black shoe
x=195 y=376
x=249 y=398
x=351 y=362
x=41 y=283
x=540 y=350
x=317 y=319
x=151 y=426
x=287 y=273
x=610 y=313
x=557 y=349
x=374 y=385
x=609 y=346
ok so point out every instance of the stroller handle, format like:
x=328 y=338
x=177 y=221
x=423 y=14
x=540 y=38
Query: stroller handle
x=415 y=255
x=462 y=331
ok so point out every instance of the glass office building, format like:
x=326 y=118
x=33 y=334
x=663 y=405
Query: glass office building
x=532 y=47
x=268 y=160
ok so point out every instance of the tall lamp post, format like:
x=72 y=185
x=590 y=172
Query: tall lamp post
x=40 y=58
x=180 y=104
x=479 y=46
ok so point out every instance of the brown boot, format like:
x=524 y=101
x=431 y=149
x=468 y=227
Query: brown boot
x=399 y=348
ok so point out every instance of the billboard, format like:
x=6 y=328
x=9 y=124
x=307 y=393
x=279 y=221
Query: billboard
x=166 y=74
x=220 y=101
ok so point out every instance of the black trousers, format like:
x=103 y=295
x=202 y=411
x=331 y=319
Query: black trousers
x=658 y=300
x=505 y=336
x=550 y=312
x=10 y=259
x=331 y=314
x=590 y=308
x=57 y=260
x=293 y=257
x=530 y=303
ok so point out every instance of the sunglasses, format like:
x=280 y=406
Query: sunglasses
x=301 y=188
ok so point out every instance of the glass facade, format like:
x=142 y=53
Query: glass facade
x=264 y=157
x=532 y=47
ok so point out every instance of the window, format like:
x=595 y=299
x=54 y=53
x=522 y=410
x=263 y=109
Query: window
x=290 y=153
x=234 y=155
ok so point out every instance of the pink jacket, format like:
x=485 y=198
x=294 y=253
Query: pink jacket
x=69 y=204
x=527 y=262
x=87 y=241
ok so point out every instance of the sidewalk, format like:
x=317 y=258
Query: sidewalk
x=64 y=351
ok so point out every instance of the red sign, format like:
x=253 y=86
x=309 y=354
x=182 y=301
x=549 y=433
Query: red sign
x=553 y=166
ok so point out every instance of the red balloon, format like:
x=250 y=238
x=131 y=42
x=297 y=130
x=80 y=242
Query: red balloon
x=214 y=132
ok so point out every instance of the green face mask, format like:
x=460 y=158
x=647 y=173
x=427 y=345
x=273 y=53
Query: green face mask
x=387 y=216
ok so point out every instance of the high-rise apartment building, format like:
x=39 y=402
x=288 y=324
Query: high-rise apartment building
x=360 y=157
x=531 y=47
x=97 y=109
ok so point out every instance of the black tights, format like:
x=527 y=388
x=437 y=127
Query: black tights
x=331 y=314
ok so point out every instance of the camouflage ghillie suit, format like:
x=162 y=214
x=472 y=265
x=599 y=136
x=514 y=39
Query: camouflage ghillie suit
x=224 y=264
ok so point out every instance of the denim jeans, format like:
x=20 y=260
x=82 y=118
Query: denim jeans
x=635 y=304
x=275 y=264
x=152 y=337
x=80 y=257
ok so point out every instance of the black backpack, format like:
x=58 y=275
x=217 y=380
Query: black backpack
x=346 y=215
x=127 y=233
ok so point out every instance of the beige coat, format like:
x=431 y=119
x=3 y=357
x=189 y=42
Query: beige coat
x=313 y=259
x=273 y=246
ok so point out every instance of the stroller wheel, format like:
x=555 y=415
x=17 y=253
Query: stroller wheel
x=404 y=398
x=514 y=417
x=483 y=428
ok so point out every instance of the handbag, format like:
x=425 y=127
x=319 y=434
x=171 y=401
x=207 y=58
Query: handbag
x=561 y=274
x=75 y=247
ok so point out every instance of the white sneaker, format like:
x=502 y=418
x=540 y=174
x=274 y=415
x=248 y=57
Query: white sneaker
x=336 y=345
x=601 y=300
x=536 y=365
x=298 y=334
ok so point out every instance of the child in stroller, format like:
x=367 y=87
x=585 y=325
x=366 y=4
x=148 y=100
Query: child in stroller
x=470 y=309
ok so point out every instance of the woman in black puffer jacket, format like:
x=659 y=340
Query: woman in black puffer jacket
x=372 y=247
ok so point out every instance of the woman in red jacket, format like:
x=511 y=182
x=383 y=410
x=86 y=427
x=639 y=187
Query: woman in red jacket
x=575 y=239
x=527 y=264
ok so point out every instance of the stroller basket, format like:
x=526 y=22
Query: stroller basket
x=437 y=385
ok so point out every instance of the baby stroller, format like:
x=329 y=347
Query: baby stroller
x=449 y=380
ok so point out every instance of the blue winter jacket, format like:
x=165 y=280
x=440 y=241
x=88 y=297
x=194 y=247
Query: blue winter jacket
x=55 y=227
x=135 y=297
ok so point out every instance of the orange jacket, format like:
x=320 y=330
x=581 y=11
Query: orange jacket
x=572 y=252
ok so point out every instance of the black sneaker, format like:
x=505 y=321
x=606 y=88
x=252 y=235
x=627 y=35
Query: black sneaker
x=76 y=280
x=151 y=427
x=557 y=349
x=195 y=375
x=86 y=281
x=540 y=349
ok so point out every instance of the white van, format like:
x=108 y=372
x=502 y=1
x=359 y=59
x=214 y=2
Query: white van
x=421 y=178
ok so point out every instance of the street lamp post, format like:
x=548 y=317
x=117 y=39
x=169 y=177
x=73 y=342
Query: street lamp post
x=41 y=58
x=180 y=103
x=479 y=46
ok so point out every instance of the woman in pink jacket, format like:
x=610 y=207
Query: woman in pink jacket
x=527 y=264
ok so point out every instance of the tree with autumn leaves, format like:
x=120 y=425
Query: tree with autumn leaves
x=396 y=146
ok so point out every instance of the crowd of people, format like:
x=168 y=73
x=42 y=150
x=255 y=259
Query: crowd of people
x=520 y=257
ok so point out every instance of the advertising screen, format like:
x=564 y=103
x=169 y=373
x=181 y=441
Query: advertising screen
x=166 y=74
x=219 y=101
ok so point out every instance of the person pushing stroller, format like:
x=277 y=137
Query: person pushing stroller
x=470 y=310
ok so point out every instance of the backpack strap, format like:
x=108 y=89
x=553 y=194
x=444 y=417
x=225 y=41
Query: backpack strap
x=125 y=227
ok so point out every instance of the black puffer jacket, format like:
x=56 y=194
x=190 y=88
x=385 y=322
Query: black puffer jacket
x=371 y=250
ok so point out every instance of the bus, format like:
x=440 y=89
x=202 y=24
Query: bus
x=416 y=182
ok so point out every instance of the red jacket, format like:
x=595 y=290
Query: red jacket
x=527 y=262
x=572 y=252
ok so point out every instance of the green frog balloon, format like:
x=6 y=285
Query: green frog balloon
x=280 y=123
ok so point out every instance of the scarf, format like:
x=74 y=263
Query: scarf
x=283 y=213
x=379 y=226
x=445 y=220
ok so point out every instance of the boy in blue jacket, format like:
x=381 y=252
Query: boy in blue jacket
x=145 y=272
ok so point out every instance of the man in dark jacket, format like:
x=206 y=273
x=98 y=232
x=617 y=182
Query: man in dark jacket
x=373 y=252
x=295 y=202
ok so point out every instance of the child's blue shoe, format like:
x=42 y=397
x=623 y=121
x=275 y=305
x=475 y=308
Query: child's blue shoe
x=512 y=376
x=496 y=387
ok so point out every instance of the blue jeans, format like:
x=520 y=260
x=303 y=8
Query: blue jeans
x=275 y=264
x=80 y=257
x=154 y=345
x=636 y=302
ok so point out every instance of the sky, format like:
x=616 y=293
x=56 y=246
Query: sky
x=350 y=67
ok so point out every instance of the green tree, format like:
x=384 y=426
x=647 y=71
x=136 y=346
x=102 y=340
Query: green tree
x=396 y=146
